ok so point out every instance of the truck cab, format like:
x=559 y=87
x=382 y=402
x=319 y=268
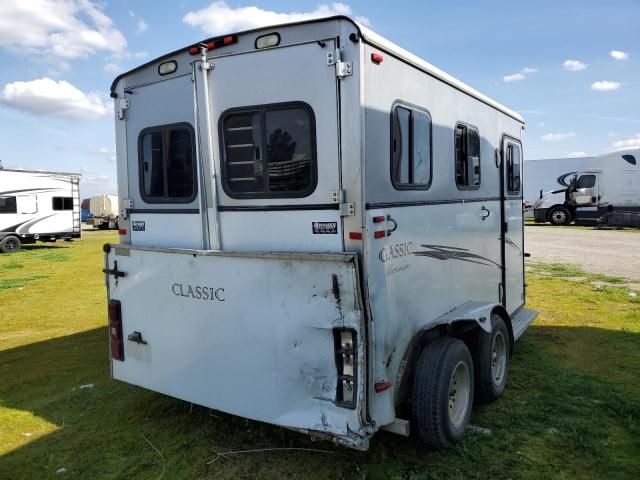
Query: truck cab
x=591 y=193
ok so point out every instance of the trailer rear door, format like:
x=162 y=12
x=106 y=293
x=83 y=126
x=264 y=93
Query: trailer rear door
x=161 y=164
x=275 y=129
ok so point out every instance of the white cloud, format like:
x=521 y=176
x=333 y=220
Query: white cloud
x=60 y=28
x=521 y=75
x=48 y=97
x=574 y=65
x=556 y=137
x=577 y=154
x=630 y=142
x=108 y=153
x=219 y=18
x=113 y=68
x=513 y=78
x=618 y=55
x=129 y=55
x=142 y=26
x=605 y=86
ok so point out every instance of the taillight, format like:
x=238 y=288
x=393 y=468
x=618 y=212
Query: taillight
x=213 y=44
x=115 y=330
x=345 y=347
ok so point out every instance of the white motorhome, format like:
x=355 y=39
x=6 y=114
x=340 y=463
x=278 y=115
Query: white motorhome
x=104 y=210
x=613 y=185
x=38 y=205
x=317 y=229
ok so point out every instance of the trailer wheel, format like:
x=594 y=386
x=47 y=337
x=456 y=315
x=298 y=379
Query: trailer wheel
x=10 y=244
x=559 y=216
x=491 y=361
x=443 y=392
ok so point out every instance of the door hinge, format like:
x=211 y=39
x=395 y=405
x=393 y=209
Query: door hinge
x=347 y=209
x=127 y=204
x=123 y=104
x=343 y=69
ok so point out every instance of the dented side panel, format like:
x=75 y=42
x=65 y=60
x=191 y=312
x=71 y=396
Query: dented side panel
x=248 y=334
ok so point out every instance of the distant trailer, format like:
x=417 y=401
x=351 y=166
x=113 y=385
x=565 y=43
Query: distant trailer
x=37 y=205
x=104 y=211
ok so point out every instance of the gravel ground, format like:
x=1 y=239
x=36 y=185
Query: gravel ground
x=608 y=252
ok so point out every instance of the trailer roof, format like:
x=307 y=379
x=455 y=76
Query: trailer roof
x=370 y=37
x=20 y=170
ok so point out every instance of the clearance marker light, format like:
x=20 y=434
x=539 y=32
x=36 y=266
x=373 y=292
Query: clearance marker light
x=377 y=58
x=378 y=234
x=355 y=235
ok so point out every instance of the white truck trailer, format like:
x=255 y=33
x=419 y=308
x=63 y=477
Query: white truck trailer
x=612 y=185
x=105 y=211
x=317 y=229
x=38 y=205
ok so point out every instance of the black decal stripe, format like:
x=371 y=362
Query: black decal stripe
x=30 y=223
x=440 y=252
x=13 y=228
x=280 y=208
x=165 y=210
x=372 y=206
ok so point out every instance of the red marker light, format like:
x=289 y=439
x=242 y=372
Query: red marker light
x=378 y=219
x=382 y=386
x=378 y=234
x=377 y=58
x=194 y=51
x=227 y=40
x=355 y=235
x=122 y=231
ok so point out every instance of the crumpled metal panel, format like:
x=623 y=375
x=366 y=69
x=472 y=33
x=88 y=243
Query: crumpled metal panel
x=248 y=334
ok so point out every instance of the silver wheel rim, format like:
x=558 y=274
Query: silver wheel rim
x=498 y=358
x=559 y=216
x=459 y=394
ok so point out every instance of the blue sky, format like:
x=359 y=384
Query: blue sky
x=551 y=61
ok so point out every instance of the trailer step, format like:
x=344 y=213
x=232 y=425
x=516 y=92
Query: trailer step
x=521 y=320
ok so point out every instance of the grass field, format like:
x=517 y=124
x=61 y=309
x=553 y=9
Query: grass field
x=572 y=408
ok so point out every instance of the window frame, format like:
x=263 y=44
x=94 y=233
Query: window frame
x=411 y=107
x=587 y=174
x=262 y=109
x=15 y=205
x=167 y=200
x=468 y=126
x=53 y=206
x=510 y=141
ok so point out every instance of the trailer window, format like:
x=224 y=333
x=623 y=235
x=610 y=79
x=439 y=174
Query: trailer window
x=167 y=165
x=8 y=205
x=269 y=151
x=514 y=159
x=410 y=148
x=467 y=157
x=62 y=203
x=586 y=181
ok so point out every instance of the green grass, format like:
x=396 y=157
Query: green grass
x=572 y=408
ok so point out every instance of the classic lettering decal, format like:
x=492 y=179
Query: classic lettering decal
x=198 y=292
x=138 y=226
x=396 y=250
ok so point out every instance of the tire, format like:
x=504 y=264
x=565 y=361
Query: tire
x=442 y=392
x=491 y=361
x=10 y=244
x=559 y=216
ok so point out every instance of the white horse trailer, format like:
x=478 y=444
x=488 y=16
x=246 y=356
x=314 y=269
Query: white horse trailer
x=317 y=229
x=37 y=205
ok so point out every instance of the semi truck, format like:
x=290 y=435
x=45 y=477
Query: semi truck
x=104 y=211
x=613 y=185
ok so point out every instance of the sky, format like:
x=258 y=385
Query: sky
x=571 y=68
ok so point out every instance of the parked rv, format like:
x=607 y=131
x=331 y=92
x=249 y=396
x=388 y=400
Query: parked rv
x=611 y=187
x=104 y=211
x=318 y=229
x=38 y=205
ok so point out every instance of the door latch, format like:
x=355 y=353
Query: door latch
x=485 y=213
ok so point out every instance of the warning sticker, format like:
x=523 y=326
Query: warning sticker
x=324 y=228
x=138 y=226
